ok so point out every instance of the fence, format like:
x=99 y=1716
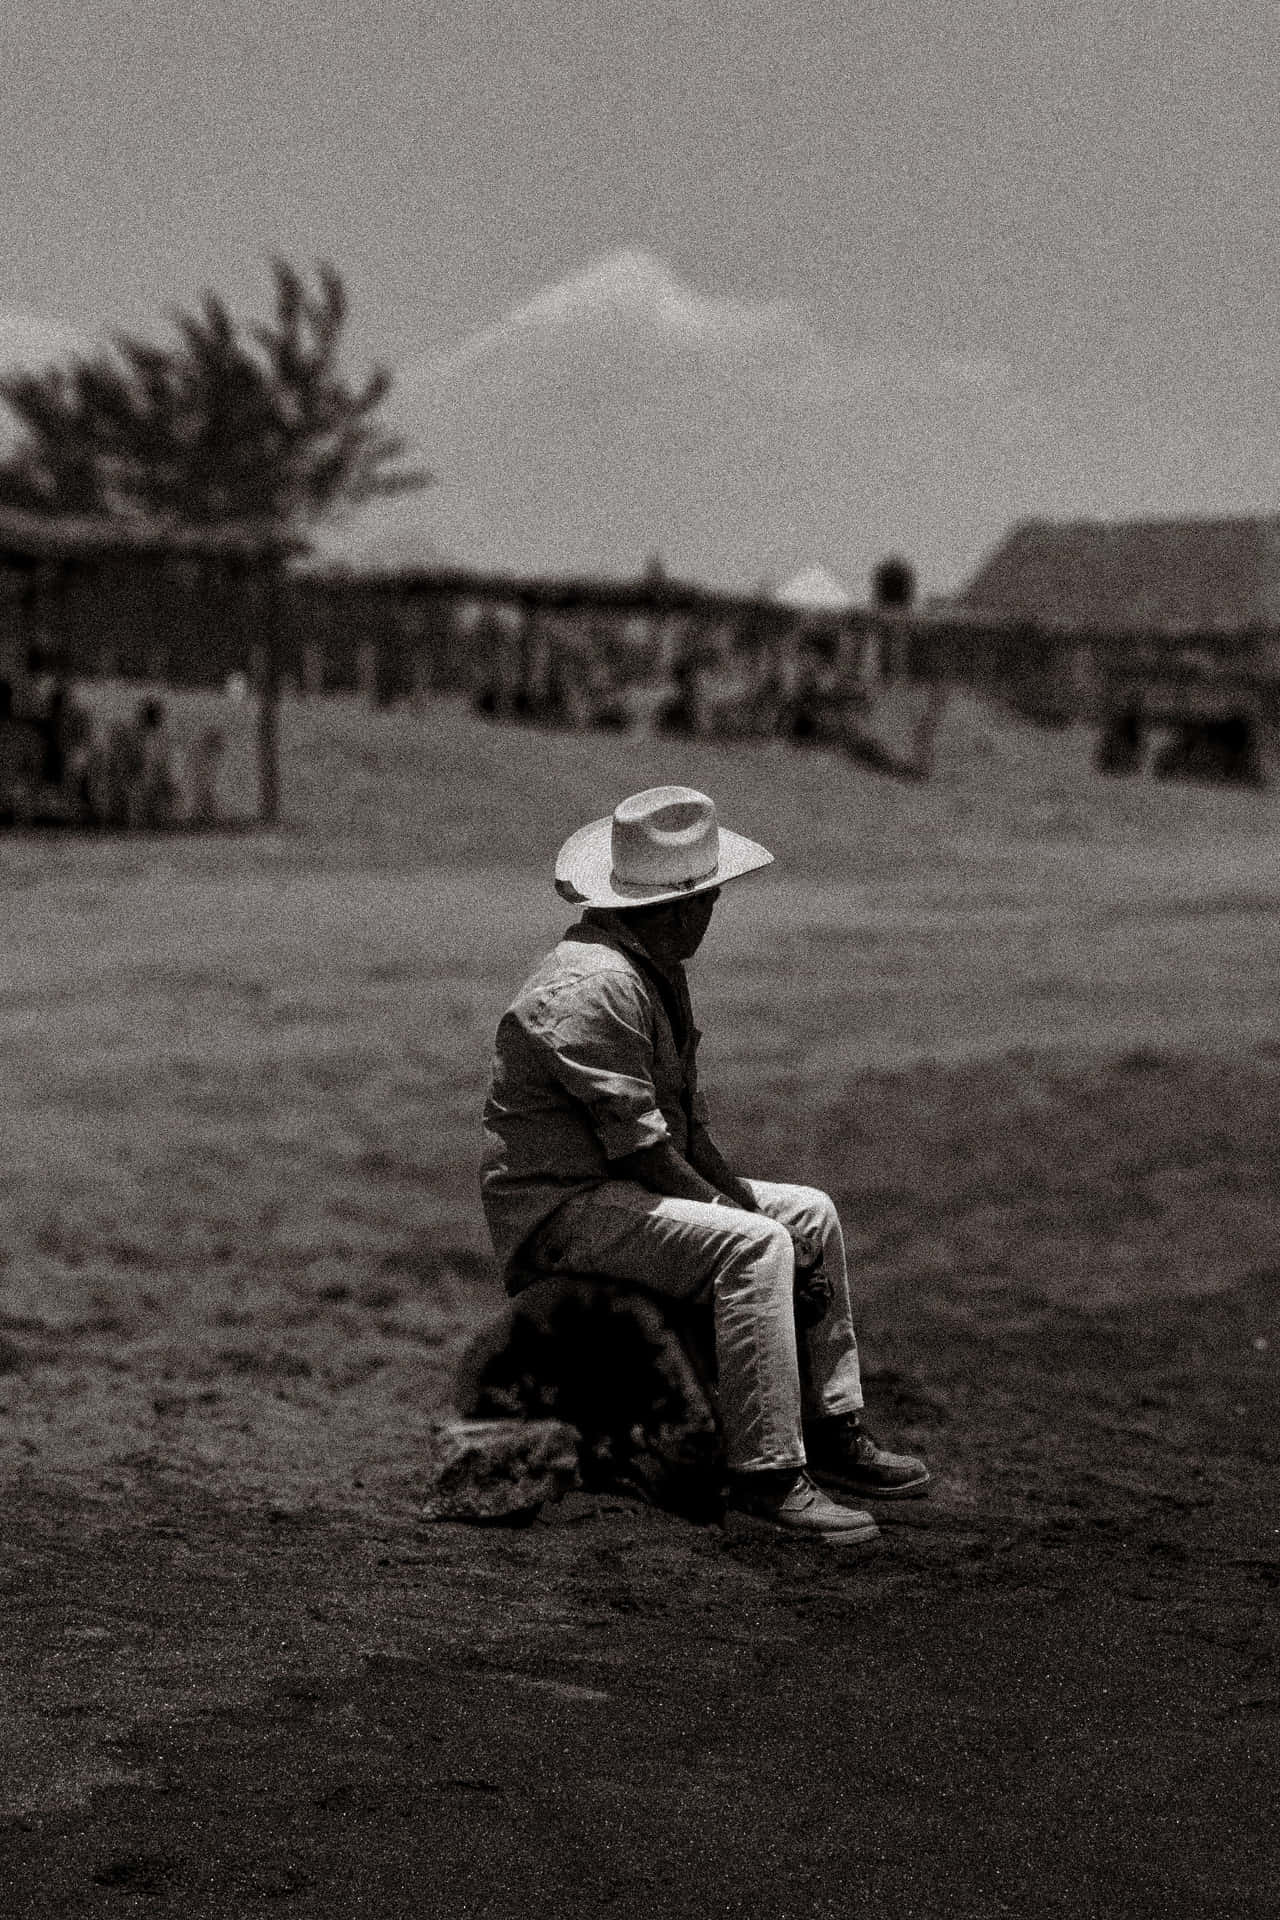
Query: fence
x=189 y=608
x=182 y=605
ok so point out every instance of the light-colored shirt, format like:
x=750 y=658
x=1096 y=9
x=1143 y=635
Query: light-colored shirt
x=587 y=1068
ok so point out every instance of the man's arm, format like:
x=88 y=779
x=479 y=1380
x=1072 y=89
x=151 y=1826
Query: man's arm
x=705 y=1158
x=703 y=1174
x=601 y=1053
x=663 y=1169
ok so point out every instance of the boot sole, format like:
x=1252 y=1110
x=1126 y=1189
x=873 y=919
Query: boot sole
x=914 y=1489
x=857 y=1537
x=823 y=1536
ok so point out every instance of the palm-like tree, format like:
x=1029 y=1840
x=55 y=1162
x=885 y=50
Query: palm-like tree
x=228 y=422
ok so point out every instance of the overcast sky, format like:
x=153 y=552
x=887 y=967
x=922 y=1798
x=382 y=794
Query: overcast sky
x=753 y=285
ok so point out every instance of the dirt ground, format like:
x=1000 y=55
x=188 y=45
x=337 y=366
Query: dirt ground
x=1054 y=1689
x=1023 y=1025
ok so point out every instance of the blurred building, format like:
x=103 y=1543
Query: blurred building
x=87 y=596
x=1169 y=626
x=1180 y=578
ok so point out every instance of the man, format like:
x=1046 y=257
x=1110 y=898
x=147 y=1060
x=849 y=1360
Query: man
x=598 y=1160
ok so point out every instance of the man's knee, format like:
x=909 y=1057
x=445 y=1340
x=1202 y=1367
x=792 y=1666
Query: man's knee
x=808 y=1208
x=770 y=1232
x=828 y=1218
x=758 y=1240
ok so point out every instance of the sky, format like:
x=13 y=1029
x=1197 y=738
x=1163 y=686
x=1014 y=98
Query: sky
x=749 y=286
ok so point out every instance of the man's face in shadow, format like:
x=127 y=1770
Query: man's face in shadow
x=673 y=930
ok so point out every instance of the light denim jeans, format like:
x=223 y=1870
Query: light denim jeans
x=743 y=1263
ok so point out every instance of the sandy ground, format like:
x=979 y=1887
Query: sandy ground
x=1022 y=1023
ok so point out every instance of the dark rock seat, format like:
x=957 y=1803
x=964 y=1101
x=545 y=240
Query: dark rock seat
x=632 y=1373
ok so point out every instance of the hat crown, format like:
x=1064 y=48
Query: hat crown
x=665 y=837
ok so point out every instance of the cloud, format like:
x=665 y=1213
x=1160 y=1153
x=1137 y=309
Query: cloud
x=922 y=372
x=625 y=297
x=622 y=411
x=628 y=309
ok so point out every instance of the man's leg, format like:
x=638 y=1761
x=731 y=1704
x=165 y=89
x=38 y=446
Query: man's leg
x=840 y=1451
x=830 y=1380
x=741 y=1263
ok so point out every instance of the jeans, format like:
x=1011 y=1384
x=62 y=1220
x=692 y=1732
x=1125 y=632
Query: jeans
x=744 y=1266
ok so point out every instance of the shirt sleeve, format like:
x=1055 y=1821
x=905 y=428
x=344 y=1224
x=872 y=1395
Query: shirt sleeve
x=601 y=1052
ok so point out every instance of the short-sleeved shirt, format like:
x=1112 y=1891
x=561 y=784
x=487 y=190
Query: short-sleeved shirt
x=588 y=1066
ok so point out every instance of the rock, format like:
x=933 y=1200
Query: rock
x=629 y=1372
x=500 y=1469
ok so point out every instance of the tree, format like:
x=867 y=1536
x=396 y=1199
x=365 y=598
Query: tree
x=227 y=423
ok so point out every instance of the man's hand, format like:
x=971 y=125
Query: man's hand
x=813 y=1290
x=808 y=1249
x=663 y=1169
x=706 y=1156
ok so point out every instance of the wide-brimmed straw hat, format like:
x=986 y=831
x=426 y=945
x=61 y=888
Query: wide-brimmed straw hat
x=657 y=845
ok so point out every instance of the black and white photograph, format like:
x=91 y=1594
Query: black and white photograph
x=639 y=960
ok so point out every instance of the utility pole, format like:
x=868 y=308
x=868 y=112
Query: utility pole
x=269 y=692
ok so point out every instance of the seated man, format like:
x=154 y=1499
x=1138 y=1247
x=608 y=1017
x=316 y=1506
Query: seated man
x=598 y=1160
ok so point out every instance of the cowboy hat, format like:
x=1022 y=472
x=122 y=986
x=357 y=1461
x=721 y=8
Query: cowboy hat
x=657 y=845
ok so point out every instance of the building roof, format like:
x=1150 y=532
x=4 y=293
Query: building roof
x=815 y=591
x=1154 y=576
x=36 y=536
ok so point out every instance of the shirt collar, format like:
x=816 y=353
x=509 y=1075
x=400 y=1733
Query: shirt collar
x=615 y=929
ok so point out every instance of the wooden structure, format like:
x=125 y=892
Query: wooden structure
x=584 y=652
x=525 y=646
x=1173 y=627
x=1176 y=577
x=148 y=580
x=1192 y=711
x=189 y=605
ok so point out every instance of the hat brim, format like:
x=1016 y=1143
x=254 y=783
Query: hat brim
x=584 y=869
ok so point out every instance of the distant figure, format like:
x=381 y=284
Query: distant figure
x=159 y=788
x=19 y=762
x=810 y=703
x=237 y=688
x=493 y=684
x=67 y=732
x=120 y=777
x=137 y=781
x=1122 y=743
x=1224 y=751
x=681 y=712
x=200 y=776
